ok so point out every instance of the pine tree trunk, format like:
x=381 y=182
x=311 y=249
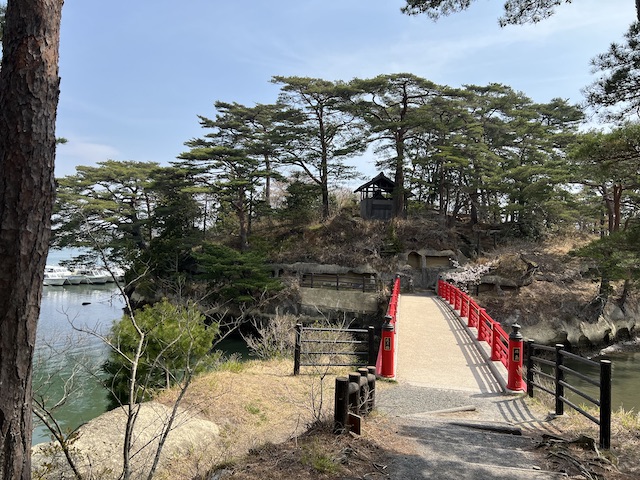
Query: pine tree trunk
x=399 y=207
x=29 y=89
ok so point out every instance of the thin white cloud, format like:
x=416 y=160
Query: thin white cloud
x=78 y=151
x=437 y=51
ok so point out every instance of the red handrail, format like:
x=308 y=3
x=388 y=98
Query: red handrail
x=392 y=313
x=488 y=330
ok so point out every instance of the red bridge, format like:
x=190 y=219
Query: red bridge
x=458 y=398
x=444 y=339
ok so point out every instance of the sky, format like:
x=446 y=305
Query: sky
x=137 y=73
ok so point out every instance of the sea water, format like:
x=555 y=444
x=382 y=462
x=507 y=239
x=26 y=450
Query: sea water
x=70 y=350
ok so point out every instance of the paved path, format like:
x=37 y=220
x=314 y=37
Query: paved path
x=434 y=350
x=448 y=403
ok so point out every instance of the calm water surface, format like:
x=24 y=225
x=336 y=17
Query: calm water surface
x=70 y=318
x=625 y=380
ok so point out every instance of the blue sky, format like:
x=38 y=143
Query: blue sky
x=135 y=74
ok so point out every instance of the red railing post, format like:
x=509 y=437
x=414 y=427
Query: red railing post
x=464 y=308
x=388 y=347
x=495 y=340
x=473 y=313
x=514 y=369
x=481 y=314
x=385 y=364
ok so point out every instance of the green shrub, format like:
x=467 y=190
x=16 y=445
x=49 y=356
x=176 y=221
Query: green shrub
x=165 y=344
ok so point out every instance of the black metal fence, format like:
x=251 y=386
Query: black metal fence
x=363 y=283
x=559 y=379
x=333 y=347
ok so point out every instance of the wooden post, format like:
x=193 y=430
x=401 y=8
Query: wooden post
x=372 y=387
x=341 y=406
x=354 y=398
x=298 y=347
x=365 y=391
x=605 y=404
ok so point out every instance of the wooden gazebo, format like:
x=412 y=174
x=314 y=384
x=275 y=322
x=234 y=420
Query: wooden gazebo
x=376 y=198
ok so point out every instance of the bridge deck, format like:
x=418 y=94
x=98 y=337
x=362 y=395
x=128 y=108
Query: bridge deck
x=434 y=350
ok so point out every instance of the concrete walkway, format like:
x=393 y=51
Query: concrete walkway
x=451 y=406
x=435 y=351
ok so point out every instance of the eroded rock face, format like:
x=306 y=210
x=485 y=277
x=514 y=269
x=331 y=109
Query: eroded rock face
x=552 y=296
x=98 y=448
x=613 y=325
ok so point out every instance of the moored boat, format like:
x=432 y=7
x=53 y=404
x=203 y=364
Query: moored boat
x=53 y=279
x=117 y=274
x=92 y=275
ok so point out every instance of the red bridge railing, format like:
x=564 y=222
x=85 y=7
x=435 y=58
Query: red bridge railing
x=386 y=362
x=505 y=348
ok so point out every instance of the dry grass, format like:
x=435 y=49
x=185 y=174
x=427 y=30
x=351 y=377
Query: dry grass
x=576 y=452
x=255 y=404
x=621 y=461
x=316 y=454
x=269 y=430
x=560 y=287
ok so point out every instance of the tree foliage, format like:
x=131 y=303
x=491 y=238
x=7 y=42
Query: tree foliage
x=608 y=165
x=316 y=131
x=110 y=204
x=516 y=12
x=615 y=92
x=235 y=278
x=176 y=342
x=616 y=256
x=395 y=110
x=234 y=159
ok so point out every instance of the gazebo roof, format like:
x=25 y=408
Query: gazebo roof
x=381 y=181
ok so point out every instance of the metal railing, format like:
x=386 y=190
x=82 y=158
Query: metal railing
x=333 y=347
x=339 y=282
x=535 y=376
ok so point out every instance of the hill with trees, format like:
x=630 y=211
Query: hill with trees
x=473 y=168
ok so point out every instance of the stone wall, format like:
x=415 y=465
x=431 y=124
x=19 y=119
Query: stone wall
x=314 y=299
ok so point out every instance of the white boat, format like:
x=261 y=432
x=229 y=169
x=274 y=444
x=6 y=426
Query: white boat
x=92 y=275
x=57 y=271
x=117 y=274
x=75 y=279
x=54 y=279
